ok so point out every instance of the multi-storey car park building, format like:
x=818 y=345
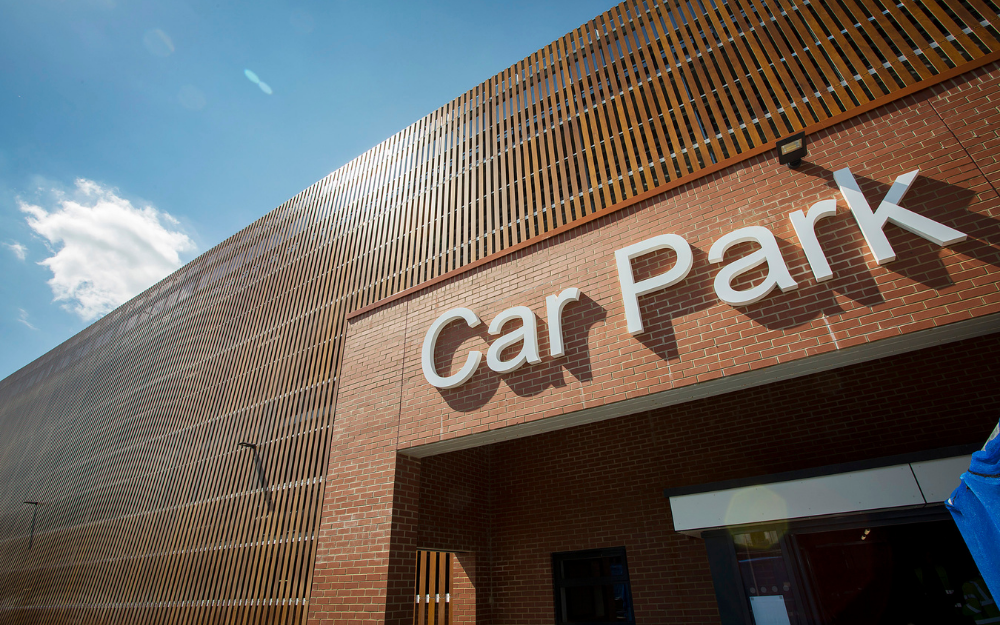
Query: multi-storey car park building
x=754 y=419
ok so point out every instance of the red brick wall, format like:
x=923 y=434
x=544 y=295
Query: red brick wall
x=464 y=609
x=456 y=515
x=692 y=336
x=450 y=487
x=385 y=404
x=601 y=485
x=352 y=568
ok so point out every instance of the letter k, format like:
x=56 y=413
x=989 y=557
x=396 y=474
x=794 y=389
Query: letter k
x=872 y=224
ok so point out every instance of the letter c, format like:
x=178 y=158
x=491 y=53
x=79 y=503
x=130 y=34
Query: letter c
x=430 y=342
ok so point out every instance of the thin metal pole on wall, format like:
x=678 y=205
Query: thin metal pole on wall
x=34 y=514
x=261 y=476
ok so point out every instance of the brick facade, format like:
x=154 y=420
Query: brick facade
x=493 y=501
x=601 y=485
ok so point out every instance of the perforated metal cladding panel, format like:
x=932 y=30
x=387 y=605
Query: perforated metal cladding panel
x=128 y=433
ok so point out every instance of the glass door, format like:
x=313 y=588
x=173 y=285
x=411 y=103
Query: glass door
x=867 y=572
x=918 y=573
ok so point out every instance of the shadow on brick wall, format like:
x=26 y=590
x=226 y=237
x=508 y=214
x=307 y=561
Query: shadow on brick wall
x=917 y=259
x=483 y=384
x=851 y=278
x=949 y=204
x=659 y=309
x=578 y=319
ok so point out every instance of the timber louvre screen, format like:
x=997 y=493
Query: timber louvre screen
x=432 y=598
x=128 y=433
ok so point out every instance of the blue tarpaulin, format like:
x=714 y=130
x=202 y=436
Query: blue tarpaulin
x=975 y=506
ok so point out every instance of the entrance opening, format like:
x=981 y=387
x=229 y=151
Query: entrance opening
x=897 y=573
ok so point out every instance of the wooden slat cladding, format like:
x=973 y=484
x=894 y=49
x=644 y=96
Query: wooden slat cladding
x=128 y=434
x=150 y=510
x=432 y=598
x=644 y=95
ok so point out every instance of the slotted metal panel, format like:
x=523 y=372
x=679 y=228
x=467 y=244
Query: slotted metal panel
x=128 y=434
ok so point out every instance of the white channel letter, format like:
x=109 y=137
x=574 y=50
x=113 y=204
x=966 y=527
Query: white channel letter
x=805 y=230
x=872 y=224
x=777 y=271
x=631 y=290
x=528 y=333
x=430 y=341
x=554 y=305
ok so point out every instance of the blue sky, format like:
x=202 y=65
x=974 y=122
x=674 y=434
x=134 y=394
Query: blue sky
x=132 y=138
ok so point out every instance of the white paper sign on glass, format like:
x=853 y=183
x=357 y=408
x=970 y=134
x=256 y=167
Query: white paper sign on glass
x=769 y=610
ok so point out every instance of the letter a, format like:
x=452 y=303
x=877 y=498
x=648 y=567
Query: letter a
x=527 y=333
x=777 y=271
x=872 y=224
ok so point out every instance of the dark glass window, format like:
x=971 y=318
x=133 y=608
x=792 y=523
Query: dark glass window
x=882 y=569
x=592 y=587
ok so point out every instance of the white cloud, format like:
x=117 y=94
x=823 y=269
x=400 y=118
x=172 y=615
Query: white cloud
x=110 y=250
x=19 y=250
x=23 y=318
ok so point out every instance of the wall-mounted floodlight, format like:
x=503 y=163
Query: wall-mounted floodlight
x=792 y=149
x=34 y=514
x=249 y=446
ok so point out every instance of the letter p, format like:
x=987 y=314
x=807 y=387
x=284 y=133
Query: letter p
x=631 y=290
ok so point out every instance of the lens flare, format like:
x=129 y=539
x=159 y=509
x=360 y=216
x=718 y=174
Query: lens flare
x=759 y=504
x=158 y=43
x=255 y=79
